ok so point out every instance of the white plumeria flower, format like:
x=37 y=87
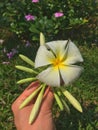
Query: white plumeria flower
x=59 y=57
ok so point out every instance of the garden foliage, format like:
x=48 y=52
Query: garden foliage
x=27 y=19
x=20 y=24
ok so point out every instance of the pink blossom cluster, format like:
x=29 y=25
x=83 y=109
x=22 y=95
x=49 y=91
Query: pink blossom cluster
x=35 y=1
x=29 y=17
x=58 y=14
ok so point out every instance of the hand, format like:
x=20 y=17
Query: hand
x=44 y=120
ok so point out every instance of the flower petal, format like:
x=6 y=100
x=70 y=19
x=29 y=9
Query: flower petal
x=73 y=54
x=43 y=57
x=58 y=47
x=50 y=76
x=70 y=73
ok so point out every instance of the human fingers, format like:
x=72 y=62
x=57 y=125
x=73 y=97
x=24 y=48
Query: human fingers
x=47 y=99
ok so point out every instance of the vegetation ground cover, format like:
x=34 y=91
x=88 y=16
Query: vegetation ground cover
x=79 y=23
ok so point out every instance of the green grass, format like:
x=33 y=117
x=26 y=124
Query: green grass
x=85 y=90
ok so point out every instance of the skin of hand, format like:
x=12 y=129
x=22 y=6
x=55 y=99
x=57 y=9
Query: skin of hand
x=44 y=120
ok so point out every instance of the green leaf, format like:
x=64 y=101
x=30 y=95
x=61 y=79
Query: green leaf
x=67 y=109
x=33 y=29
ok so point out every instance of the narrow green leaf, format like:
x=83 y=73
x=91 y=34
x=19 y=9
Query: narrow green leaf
x=26 y=69
x=26 y=59
x=29 y=98
x=36 y=106
x=25 y=80
x=67 y=109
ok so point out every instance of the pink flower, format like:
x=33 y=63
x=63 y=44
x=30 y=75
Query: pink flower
x=35 y=1
x=10 y=55
x=29 y=17
x=58 y=14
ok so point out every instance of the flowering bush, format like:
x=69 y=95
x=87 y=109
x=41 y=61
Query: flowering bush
x=56 y=19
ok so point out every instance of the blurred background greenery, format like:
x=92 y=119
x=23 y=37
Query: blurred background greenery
x=20 y=35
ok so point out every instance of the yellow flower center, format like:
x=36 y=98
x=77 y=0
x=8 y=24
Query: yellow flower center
x=57 y=62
